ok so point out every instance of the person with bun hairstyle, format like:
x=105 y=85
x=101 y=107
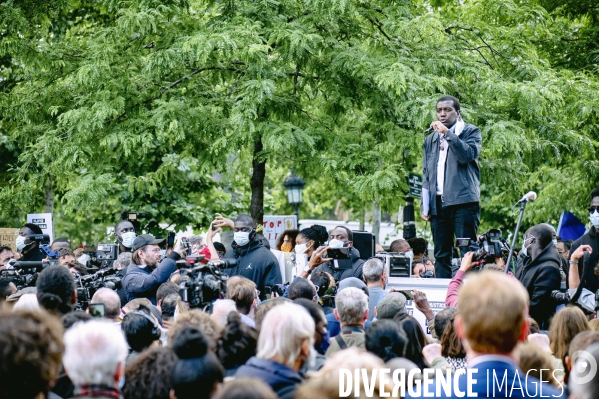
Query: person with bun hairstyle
x=56 y=290
x=341 y=237
x=197 y=374
x=306 y=243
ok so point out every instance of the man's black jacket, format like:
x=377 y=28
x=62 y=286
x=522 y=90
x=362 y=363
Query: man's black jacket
x=256 y=263
x=340 y=274
x=589 y=238
x=540 y=276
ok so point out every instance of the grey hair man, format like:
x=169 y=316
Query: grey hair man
x=94 y=358
x=376 y=279
x=352 y=313
x=283 y=349
x=111 y=302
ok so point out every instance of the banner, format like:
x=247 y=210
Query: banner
x=434 y=288
x=8 y=238
x=44 y=221
x=274 y=226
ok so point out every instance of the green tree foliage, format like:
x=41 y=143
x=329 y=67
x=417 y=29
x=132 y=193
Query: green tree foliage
x=159 y=106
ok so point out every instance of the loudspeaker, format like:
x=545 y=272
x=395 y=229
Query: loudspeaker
x=364 y=243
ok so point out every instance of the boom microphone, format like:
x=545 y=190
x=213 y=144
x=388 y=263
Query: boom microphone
x=528 y=197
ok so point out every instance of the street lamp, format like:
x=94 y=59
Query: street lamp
x=294 y=185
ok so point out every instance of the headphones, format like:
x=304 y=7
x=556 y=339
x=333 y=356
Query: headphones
x=156 y=332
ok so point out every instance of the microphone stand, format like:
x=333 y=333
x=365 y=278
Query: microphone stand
x=509 y=257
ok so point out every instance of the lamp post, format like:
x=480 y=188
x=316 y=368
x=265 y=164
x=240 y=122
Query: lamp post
x=294 y=186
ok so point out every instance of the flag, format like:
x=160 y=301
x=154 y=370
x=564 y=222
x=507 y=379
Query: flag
x=570 y=228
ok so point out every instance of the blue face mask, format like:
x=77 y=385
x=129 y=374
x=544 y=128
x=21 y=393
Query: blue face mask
x=241 y=238
x=324 y=345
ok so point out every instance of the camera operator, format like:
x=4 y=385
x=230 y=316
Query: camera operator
x=125 y=235
x=66 y=257
x=341 y=237
x=5 y=256
x=253 y=260
x=540 y=272
x=30 y=249
x=145 y=273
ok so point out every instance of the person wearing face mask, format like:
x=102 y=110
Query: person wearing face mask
x=147 y=272
x=286 y=241
x=341 y=237
x=254 y=261
x=306 y=243
x=125 y=235
x=540 y=273
x=322 y=339
x=591 y=238
x=30 y=249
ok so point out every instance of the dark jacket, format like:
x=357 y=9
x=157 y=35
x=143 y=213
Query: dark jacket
x=462 y=175
x=340 y=274
x=143 y=283
x=281 y=378
x=540 y=276
x=255 y=262
x=589 y=238
x=35 y=255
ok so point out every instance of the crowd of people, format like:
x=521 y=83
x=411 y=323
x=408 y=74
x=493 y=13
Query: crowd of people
x=147 y=332
x=148 y=342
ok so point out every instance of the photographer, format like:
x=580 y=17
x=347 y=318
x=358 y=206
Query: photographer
x=5 y=256
x=30 y=249
x=145 y=273
x=125 y=235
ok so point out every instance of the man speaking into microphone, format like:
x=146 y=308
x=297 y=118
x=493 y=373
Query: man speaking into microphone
x=451 y=182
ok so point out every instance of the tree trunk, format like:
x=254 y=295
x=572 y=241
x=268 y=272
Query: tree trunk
x=257 y=184
x=376 y=221
x=362 y=217
x=48 y=196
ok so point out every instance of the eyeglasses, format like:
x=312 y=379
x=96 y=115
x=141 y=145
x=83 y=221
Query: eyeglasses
x=593 y=209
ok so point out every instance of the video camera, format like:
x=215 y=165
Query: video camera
x=134 y=217
x=203 y=283
x=491 y=245
x=396 y=264
x=89 y=284
x=23 y=273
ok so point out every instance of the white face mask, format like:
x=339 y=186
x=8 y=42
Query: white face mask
x=20 y=243
x=300 y=249
x=335 y=243
x=594 y=217
x=555 y=242
x=127 y=239
x=162 y=253
x=241 y=238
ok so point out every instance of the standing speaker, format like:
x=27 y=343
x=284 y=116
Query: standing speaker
x=364 y=243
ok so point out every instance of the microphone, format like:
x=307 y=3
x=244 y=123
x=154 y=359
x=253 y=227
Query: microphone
x=528 y=197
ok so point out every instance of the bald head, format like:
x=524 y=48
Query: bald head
x=110 y=300
x=399 y=245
